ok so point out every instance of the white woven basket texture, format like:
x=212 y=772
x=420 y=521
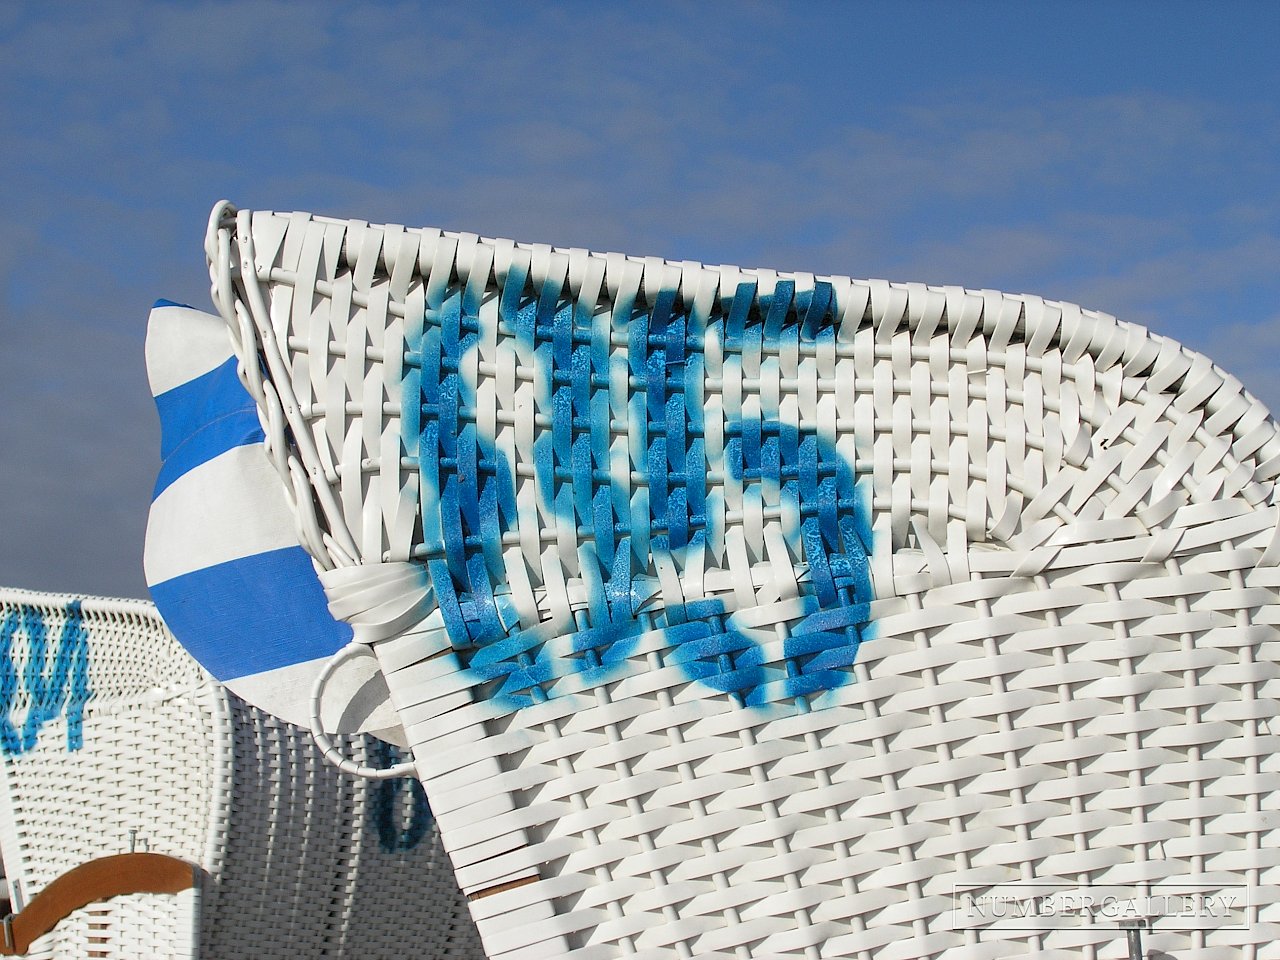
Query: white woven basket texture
x=1068 y=672
x=294 y=862
x=89 y=783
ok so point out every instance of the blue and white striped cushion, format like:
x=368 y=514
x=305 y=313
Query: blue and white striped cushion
x=222 y=558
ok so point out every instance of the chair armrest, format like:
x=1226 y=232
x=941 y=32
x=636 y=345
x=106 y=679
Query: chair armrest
x=99 y=879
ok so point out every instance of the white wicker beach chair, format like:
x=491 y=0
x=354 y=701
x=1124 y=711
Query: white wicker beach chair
x=113 y=740
x=734 y=614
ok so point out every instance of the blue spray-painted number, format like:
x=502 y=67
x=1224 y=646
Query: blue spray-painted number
x=398 y=828
x=468 y=491
x=50 y=687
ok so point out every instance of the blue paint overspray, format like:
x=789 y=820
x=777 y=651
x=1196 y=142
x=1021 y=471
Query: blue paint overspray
x=50 y=687
x=398 y=829
x=469 y=494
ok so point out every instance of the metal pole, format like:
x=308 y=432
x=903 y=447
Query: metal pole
x=1133 y=931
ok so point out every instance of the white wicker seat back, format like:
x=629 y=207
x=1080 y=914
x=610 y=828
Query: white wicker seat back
x=113 y=739
x=765 y=611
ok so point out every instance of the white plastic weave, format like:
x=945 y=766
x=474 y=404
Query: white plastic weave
x=112 y=739
x=733 y=613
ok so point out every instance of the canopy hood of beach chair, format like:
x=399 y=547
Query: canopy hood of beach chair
x=732 y=613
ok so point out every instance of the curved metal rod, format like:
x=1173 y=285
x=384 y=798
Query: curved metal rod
x=327 y=747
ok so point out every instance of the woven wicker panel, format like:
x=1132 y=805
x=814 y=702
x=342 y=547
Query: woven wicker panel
x=129 y=722
x=395 y=838
x=742 y=614
x=321 y=848
x=140 y=749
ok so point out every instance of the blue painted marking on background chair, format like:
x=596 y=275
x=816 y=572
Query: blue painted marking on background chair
x=396 y=831
x=469 y=493
x=50 y=686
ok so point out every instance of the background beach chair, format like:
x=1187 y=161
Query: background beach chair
x=737 y=614
x=112 y=739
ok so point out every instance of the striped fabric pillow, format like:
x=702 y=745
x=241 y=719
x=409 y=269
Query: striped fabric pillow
x=222 y=558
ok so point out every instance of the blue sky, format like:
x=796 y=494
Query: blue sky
x=1122 y=156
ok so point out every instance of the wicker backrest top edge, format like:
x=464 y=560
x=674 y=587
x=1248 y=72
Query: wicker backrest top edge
x=15 y=596
x=1077 y=330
